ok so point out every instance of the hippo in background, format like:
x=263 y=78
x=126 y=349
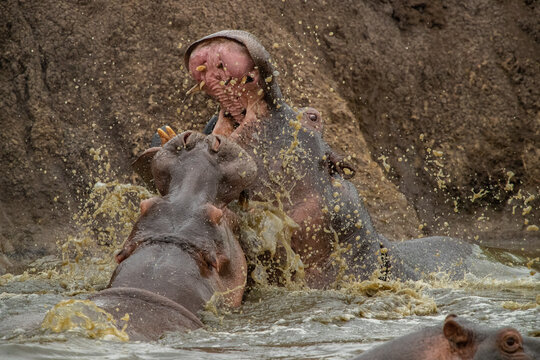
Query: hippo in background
x=182 y=250
x=457 y=339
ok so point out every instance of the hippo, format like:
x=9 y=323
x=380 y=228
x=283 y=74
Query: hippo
x=299 y=172
x=182 y=250
x=457 y=339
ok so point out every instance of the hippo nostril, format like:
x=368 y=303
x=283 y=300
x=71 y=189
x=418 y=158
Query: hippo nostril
x=244 y=112
x=236 y=125
x=312 y=117
x=249 y=79
x=216 y=144
x=185 y=137
x=220 y=65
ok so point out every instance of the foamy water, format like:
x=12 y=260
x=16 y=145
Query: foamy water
x=272 y=323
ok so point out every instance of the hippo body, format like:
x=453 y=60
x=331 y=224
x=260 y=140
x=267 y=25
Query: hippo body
x=457 y=339
x=300 y=173
x=296 y=163
x=182 y=250
x=150 y=314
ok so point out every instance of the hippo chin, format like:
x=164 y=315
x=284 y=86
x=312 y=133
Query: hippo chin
x=457 y=339
x=182 y=250
x=299 y=172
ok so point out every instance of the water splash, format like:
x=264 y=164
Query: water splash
x=83 y=316
x=265 y=236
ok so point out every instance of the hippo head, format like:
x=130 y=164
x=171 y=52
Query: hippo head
x=197 y=175
x=234 y=68
x=217 y=160
x=472 y=343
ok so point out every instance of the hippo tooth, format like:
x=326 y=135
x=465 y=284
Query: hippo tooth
x=163 y=136
x=201 y=68
x=170 y=131
x=194 y=89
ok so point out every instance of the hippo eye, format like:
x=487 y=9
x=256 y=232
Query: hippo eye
x=510 y=343
x=312 y=117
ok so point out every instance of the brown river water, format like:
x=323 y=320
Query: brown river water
x=36 y=321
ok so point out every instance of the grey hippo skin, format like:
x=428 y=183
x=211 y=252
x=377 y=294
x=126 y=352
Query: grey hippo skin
x=182 y=249
x=458 y=339
x=298 y=171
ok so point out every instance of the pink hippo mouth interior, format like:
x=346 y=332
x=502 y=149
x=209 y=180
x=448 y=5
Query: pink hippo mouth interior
x=224 y=70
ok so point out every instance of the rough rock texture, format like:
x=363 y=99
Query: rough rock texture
x=438 y=101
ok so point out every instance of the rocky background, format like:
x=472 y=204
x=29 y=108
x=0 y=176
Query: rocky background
x=436 y=101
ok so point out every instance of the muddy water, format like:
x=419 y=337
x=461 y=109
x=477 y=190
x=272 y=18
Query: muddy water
x=273 y=323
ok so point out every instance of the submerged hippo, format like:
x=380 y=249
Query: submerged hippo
x=182 y=250
x=299 y=172
x=457 y=339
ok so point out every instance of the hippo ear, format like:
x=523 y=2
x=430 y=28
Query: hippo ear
x=143 y=166
x=455 y=333
x=147 y=204
x=214 y=214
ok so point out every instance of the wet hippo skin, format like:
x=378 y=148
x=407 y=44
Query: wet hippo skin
x=298 y=171
x=182 y=250
x=458 y=339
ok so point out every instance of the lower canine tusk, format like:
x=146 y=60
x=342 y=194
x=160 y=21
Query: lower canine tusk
x=194 y=89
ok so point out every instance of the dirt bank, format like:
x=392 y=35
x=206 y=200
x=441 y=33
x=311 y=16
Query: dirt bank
x=439 y=104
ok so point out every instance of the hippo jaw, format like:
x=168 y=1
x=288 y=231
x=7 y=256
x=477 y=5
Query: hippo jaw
x=225 y=65
x=226 y=72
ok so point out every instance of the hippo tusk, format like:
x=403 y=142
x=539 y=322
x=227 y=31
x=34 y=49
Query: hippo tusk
x=166 y=136
x=193 y=90
x=170 y=131
x=196 y=88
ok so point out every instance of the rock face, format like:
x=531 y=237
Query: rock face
x=437 y=102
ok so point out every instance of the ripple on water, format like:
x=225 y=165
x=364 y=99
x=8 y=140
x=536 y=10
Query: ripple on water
x=279 y=323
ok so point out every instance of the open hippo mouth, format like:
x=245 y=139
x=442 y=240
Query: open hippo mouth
x=235 y=69
x=224 y=69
